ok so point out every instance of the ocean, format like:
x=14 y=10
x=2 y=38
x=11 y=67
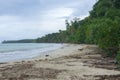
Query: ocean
x=23 y=51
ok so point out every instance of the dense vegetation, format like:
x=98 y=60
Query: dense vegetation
x=102 y=27
x=21 y=41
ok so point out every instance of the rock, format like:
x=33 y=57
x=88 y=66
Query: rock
x=80 y=49
x=46 y=55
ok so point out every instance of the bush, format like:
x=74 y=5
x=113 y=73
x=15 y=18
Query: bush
x=109 y=37
x=118 y=56
x=118 y=60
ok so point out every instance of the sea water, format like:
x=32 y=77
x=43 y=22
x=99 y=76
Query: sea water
x=23 y=51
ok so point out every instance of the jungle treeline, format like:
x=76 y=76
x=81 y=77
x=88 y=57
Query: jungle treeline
x=101 y=27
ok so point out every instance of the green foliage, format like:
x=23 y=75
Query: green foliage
x=117 y=4
x=113 y=13
x=100 y=8
x=118 y=57
x=54 y=37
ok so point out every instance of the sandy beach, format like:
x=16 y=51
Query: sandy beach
x=71 y=62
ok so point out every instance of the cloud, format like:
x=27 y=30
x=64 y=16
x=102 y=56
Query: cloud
x=60 y=12
x=12 y=27
x=20 y=19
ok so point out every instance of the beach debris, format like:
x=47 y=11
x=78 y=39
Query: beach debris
x=46 y=55
x=80 y=49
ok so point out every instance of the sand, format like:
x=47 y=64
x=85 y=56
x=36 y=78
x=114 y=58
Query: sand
x=71 y=62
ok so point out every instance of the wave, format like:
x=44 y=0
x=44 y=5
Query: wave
x=26 y=51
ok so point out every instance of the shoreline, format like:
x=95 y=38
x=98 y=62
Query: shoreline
x=28 y=54
x=70 y=62
x=57 y=52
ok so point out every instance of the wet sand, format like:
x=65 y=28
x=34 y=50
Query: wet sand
x=71 y=62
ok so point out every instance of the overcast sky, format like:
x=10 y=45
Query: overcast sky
x=21 y=19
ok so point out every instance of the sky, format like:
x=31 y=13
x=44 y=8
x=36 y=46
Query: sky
x=29 y=19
